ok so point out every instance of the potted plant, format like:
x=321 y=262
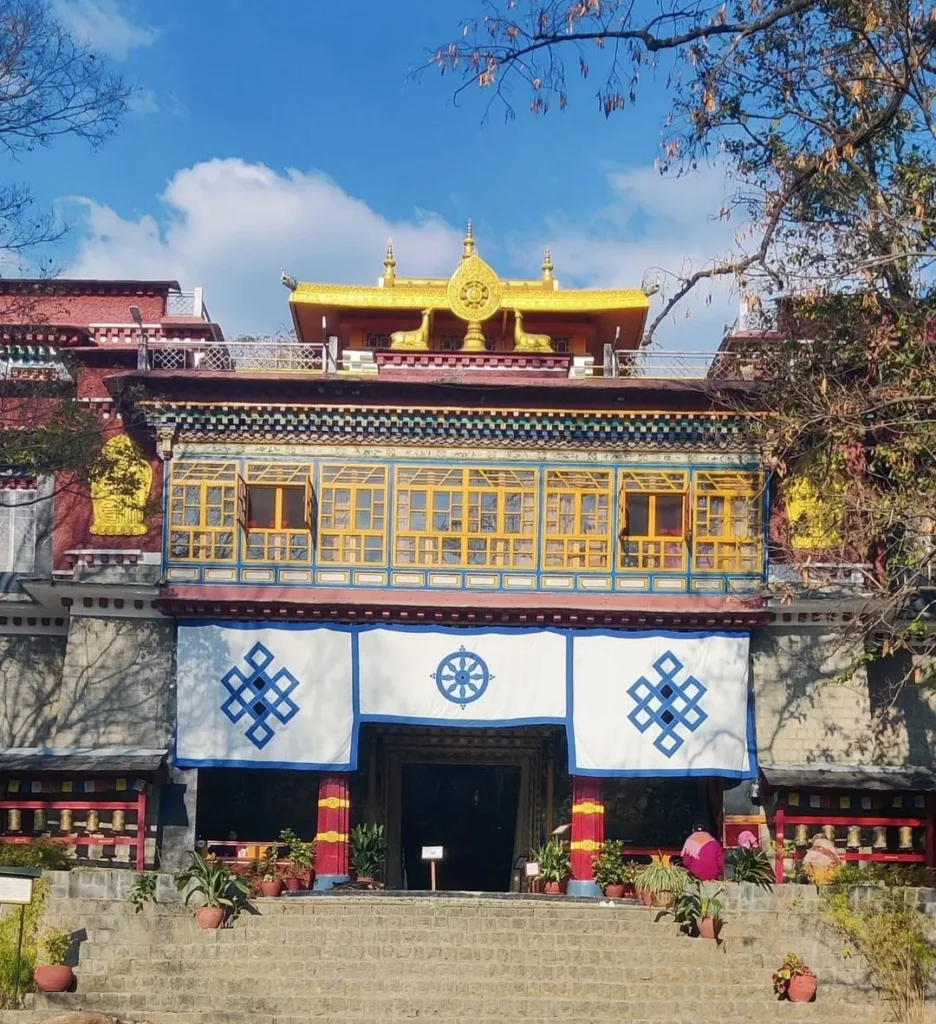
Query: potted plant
x=794 y=980
x=555 y=867
x=751 y=864
x=661 y=881
x=609 y=869
x=221 y=890
x=271 y=885
x=698 y=911
x=368 y=852
x=301 y=860
x=631 y=871
x=53 y=974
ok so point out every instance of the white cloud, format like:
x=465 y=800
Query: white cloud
x=104 y=26
x=231 y=225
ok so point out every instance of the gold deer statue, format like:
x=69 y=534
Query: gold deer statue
x=524 y=342
x=413 y=341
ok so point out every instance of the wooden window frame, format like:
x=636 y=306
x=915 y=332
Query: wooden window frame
x=502 y=549
x=278 y=542
x=727 y=556
x=578 y=549
x=654 y=550
x=204 y=540
x=18 y=529
x=351 y=542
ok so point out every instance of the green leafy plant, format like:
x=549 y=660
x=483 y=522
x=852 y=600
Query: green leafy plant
x=661 y=877
x=42 y=853
x=143 y=891
x=631 y=871
x=751 y=865
x=301 y=854
x=213 y=880
x=608 y=863
x=792 y=967
x=18 y=978
x=693 y=903
x=886 y=926
x=368 y=850
x=554 y=861
x=55 y=946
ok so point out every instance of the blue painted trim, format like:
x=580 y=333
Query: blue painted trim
x=355 y=696
x=661 y=773
x=324 y=882
x=570 y=700
x=400 y=627
x=470 y=723
x=302 y=766
x=582 y=887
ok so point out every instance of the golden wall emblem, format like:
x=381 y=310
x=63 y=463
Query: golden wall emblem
x=120 y=489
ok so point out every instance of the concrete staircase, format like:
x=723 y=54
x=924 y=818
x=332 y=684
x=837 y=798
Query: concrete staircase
x=373 y=957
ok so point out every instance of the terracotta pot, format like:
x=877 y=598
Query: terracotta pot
x=614 y=892
x=662 y=900
x=630 y=891
x=54 y=978
x=209 y=917
x=645 y=898
x=363 y=879
x=708 y=927
x=271 y=888
x=802 y=988
x=552 y=889
x=293 y=884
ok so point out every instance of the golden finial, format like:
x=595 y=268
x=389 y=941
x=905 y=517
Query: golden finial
x=389 y=264
x=468 y=246
x=547 y=266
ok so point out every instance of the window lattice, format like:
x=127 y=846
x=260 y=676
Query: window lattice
x=353 y=515
x=728 y=522
x=377 y=341
x=577 y=530
x=475 y=517
x=17 y=531
x=654 y=520
x=295 y=473
x=203 y=511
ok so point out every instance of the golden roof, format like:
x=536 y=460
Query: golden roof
x=458 y=294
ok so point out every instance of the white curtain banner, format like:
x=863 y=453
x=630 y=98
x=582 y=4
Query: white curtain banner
x=462 y=676
x=265 y=696
x=661 y=704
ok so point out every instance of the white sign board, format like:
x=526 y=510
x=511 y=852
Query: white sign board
x=16 y=889
x=532 y=869
x=432 y=853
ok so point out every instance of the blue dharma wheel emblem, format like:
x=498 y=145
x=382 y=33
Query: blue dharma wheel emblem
x=462 y=677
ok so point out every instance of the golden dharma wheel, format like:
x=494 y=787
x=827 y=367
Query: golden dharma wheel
x=39 y=820
x=905 y=837
x=854 y=837
x=94 y=821
x=879 y=842
x=801 y=835
x=119 y=821
x=65 y=821
x=14 y=820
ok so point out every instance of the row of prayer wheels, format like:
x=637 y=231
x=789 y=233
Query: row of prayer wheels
x=66 y=821
x=853 y=841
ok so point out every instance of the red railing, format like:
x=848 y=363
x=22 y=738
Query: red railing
x=89 y=837
x=928 y=858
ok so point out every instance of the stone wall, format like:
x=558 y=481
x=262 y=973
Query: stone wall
x=805 y=714
x=30 y=678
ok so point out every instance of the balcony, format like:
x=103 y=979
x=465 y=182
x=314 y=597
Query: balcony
x=190 y=304
x=237 y=357
x=650 y=364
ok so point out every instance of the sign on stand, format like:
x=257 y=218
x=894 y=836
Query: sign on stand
x=16 y=889
x=432 y=854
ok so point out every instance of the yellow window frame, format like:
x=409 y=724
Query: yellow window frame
x=278 y=543
x=728 y=521
x=654 y=552
x=578 y=519
x=352 y=515
x=456 y=506
x=203 y=511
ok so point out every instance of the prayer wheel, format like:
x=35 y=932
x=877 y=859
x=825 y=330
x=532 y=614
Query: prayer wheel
x=118 y=822
x=14 y=820
x=65 y=821
x=39 y=821
x=905 y=840
x=94 y=821
x=854 y=837
x=801 y=835
x=829 y=832
x=879 y=842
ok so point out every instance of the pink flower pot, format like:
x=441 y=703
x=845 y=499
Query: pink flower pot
x=708 y=927
x=802 y=988
x=293 y=884
x=209 y=917
x=271 y=889
x=614 y=892
x=54 y=978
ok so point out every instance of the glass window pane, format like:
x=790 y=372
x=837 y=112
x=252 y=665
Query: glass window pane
x=669 y=515
x=294 y=513
x=261 y=507
x=638 y=515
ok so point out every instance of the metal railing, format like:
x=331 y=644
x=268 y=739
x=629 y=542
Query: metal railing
x=238 y=357
x=186 y=304
x=649 y=364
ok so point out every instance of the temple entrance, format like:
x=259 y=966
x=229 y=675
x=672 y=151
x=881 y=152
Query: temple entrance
x=471 y=811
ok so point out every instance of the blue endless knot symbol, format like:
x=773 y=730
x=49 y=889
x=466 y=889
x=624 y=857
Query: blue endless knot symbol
x=260 y=696
x=462 y=677
x=668 y=704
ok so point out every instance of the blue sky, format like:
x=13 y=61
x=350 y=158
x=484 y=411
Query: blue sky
x=295 y=137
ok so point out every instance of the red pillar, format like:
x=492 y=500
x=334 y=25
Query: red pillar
x=334 y=826
x=587 y=833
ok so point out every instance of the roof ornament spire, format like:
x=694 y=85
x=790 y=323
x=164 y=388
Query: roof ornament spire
x=548 y=267
x=389 y=275
x=468 y=246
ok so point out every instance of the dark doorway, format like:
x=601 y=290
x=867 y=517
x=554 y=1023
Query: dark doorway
x=471 y=811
